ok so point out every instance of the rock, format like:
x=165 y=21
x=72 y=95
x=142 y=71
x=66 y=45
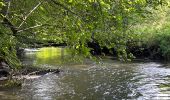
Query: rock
x=4 y=65
x=3 y=73
x=4 y=69
x=56 y=71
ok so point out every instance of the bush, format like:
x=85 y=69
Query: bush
x=163 y=40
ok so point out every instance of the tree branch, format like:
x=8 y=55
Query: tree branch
x=63 y=6
x=30 y=28
x=36 y=26
x=10 y=25
x=7 y=11
x=29 y=14
x=6 y=22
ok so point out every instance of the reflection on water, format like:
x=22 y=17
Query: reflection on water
x=108 y=80
x=44 y=56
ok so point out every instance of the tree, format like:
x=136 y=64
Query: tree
x=75 y=22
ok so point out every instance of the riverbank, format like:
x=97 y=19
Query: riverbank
x=140 y=52
x=16 y=78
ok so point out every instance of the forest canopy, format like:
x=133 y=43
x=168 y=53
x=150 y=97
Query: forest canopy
x=109 y=23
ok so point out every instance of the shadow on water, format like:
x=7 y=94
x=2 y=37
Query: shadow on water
x=106 y=80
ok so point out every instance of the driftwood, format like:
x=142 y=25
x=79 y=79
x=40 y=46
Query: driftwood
x=6 y=73
x=43 y=72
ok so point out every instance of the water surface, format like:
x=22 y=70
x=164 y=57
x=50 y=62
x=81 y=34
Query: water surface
x=107 y=80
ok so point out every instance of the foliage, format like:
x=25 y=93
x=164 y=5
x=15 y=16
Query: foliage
x=8 y=50
x=74 y=22
x=156 y=32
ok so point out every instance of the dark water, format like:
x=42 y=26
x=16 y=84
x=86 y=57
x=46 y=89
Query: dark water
x=106 y=80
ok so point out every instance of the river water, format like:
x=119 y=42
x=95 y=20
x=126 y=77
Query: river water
x=106 y=79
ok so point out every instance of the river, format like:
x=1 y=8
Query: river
x=106 y=79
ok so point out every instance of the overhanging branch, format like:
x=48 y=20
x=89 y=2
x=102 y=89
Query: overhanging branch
x=4 y=13
x=7 y=11
x=9 y=24
x=63 y=6
x=30 y=14
x=30 y=28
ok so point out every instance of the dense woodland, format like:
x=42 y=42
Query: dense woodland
x=122 y=28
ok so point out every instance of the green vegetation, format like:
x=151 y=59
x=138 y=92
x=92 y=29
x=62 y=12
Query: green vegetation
x=112 y=24
x=155 y=33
